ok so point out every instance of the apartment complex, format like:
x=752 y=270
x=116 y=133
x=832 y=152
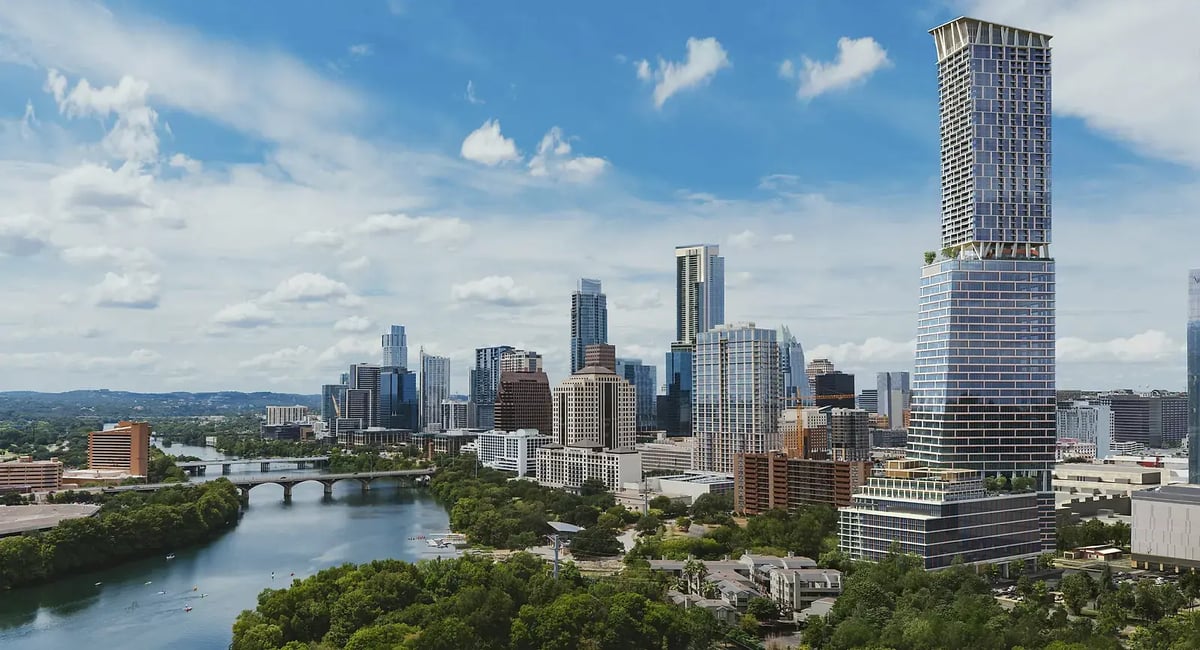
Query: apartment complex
x=435 y=387
x=520 y=361
x=589 y=320
x=570 y=466
x=26 y=474
x=511 y=451
x=125 y=446
x=774 y=480
x=286 y=414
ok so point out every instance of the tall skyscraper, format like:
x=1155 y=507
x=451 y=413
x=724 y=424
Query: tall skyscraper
x=894 y=397
x=645 y=380
x=589 y=319
x=814 y=368
x=1193 y=376
x=699 y=290
x=399 y=407
x=796 y=389
x=362 y=394
x=435 y=387
x=595 y=405
x=675 y=406
x=523 y=401
x=395 y=347
x=520 y=361
x=485 y=382
x=333 y=400
x=600 y=354
x=983 y=387
x=834 y=389
x=737 y=396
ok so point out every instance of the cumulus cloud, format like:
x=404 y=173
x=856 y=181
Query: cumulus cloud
x=873 y=350
x=357 y=264
x=282 y=359
x=705 y=57
x=743 y=239
x=857 y=59
x=321 y=239
x=140 y=358
x=486 y=145
x=189 y=165
x=23 y=235
x=349 y=349
x=133 y=136
x=554 y=159
x=129 y=290
x=495 y=290
x=243 y=315
x=355 y=324
x=425 y=230
x=1148 y=347
x=89 y=191
x=311 y=288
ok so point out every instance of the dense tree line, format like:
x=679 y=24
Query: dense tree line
x=255 y=447
x=1090 y=533
x=809 y=531
x=193 y=431
x=370 y=461
x=128 y=526
x=472 y=603
x=46 y=438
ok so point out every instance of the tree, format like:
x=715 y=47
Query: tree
x=930 y=256
x=592 y=487
x=683 y=524
x=711 y=507
x=1016 y=568
x=1045 y=561
x=1077 y=589
x=648 y=525
x=763 y=609
x=596 y=541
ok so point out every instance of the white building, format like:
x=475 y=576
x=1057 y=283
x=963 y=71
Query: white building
x=520 y=361
x=796 y=589
x=595 y=405
x=691 y=484
x=1087 y=423
x=286 y=414
x=511 y=451
x=1091 y=479
x=456 y=413
x=1166 y=525
x=675 y=455
x=570 y=466
x=435 y=388
x=736 y=395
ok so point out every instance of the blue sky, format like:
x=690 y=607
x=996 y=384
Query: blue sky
x=243 y=195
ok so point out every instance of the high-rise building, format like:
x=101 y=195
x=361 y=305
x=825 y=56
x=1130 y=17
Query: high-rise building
x=814 y=368
x=395 y=347
x=362 y=394
x=485 y=382
x=595 y=406
x=867 y=400
x=600 y=354
x=589 y=320
x=737 y=396
x=699 y=290
x=333 y=400
x=796 y=389
x=674 y=406
x=399 y=405
x=435 y=387
x=1193 y=376
x=835 y=389
x=849 y=434
x=983 y=390
x=894 y=390
x=645 y=380
x=125 y=447
x=1091 y=424
x=523 y=402
x=285 y=414
x=775 y=480
x=1156 y=419
x=520 y=361
x=456 y=413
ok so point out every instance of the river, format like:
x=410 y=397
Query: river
x=303 y=536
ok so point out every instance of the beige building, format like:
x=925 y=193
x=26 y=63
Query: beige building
x=125 y=447
x=571 y=465
x=286 y=414
x=520 y=361
x=1091 y=479
x=595 y=405
x=27 y=474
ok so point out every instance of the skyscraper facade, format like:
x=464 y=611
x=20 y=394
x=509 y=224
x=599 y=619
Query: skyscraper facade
x=362 y=394
x=699 y=290
x=485 y=382
x=520 y=361
x=984 y=381
x=600 y=354
x=333 y=400
x=834 y=389
x=675 y=405
x=398 y=407
x=395 y=347
x=796 y=389
x=737 y=396
x=523 y=401
x=435 y=387
x=595 y=406
x=589 y=320
x=645 y=381
x=1193 y=376
x=814 y=368
x=894 y=397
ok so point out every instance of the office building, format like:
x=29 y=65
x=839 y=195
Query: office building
x=399 y=403
x=737 y=395
x=699 y=290
x=894 y=397
x=670 y=454
x=867 y=400
x=362 y=394
x=485 y=382
x=814 y=368
x=645 y=381
x=435 y=387
x=570 y=466
x=589 y=320
x=287 y=431
x=674 y=407
x=395 y=348
x=1193 y=376
x=939 y=515
x=834 y=388
x=520 y=361
x=596 y=407
x=511 y=451
x=983 y=387
x=849 y=434
x=451 y=443
x=602 y=355
x=456 y=413
x=1086 y=423
x=333 y=400
x=1166 y=525
x=1156 y=419
x=27 y=475
x=286 y=414
x=124 y=447
x=523 y=402
x=796 y=389
x=774 y=480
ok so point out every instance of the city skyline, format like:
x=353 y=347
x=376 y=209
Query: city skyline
x=148 y=239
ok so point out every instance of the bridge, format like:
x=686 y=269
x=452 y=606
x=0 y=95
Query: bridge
x=195 y=467
x=288 y=482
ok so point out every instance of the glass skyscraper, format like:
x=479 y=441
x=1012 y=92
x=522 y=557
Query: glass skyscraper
x=699 y=291
x=398 y=405
x=435 y=387
x=645 y=380
x=1193 y=376
x=674 y=407
x=984 y=381
x=796 y=389
x=485 y=383
x=395 y=347
x=589 y=320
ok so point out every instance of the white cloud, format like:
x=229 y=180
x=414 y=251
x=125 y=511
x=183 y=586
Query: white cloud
x=350 y=349
x=91 y=190
x=743 y=239
x=553 y=159
x=471 y=97
x=357 y=324
x=310 y=288
x=1148 y=347
x=874 y=350
x=189 y=165
x=705 y=57
x=282 y=359
x=126 y=258
x=857 y=59
x=783 y=238
x=133 y=137
x=495 y=290
x=140 y=358
x=360 y=49
x=321 y=239
x=23 y=235
x=425 y=230
x=243 y=315
x=129 y=290
x=357 y=264
x=488 y=146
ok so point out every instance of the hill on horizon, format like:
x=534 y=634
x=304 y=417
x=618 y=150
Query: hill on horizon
x=104 y=403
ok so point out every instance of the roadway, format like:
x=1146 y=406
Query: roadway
x=249 y=461
x=246 y=483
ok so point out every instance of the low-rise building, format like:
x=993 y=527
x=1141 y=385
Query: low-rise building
x=287 y=431
x=673 y=455
x=26 y=475
x=375 y=437
x=1166 y=527
x=775 y=480
x=511 y=451
x=1091 y=479
x=434 y=443
x=691 y=484
x=569 y=466
x=796 y=589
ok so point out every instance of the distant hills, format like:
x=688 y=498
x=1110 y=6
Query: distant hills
x=121 y=404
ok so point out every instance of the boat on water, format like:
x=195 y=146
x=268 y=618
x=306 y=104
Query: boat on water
x=187 y=608
x=149 y=582
x=97 y=584
x=170 y=556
